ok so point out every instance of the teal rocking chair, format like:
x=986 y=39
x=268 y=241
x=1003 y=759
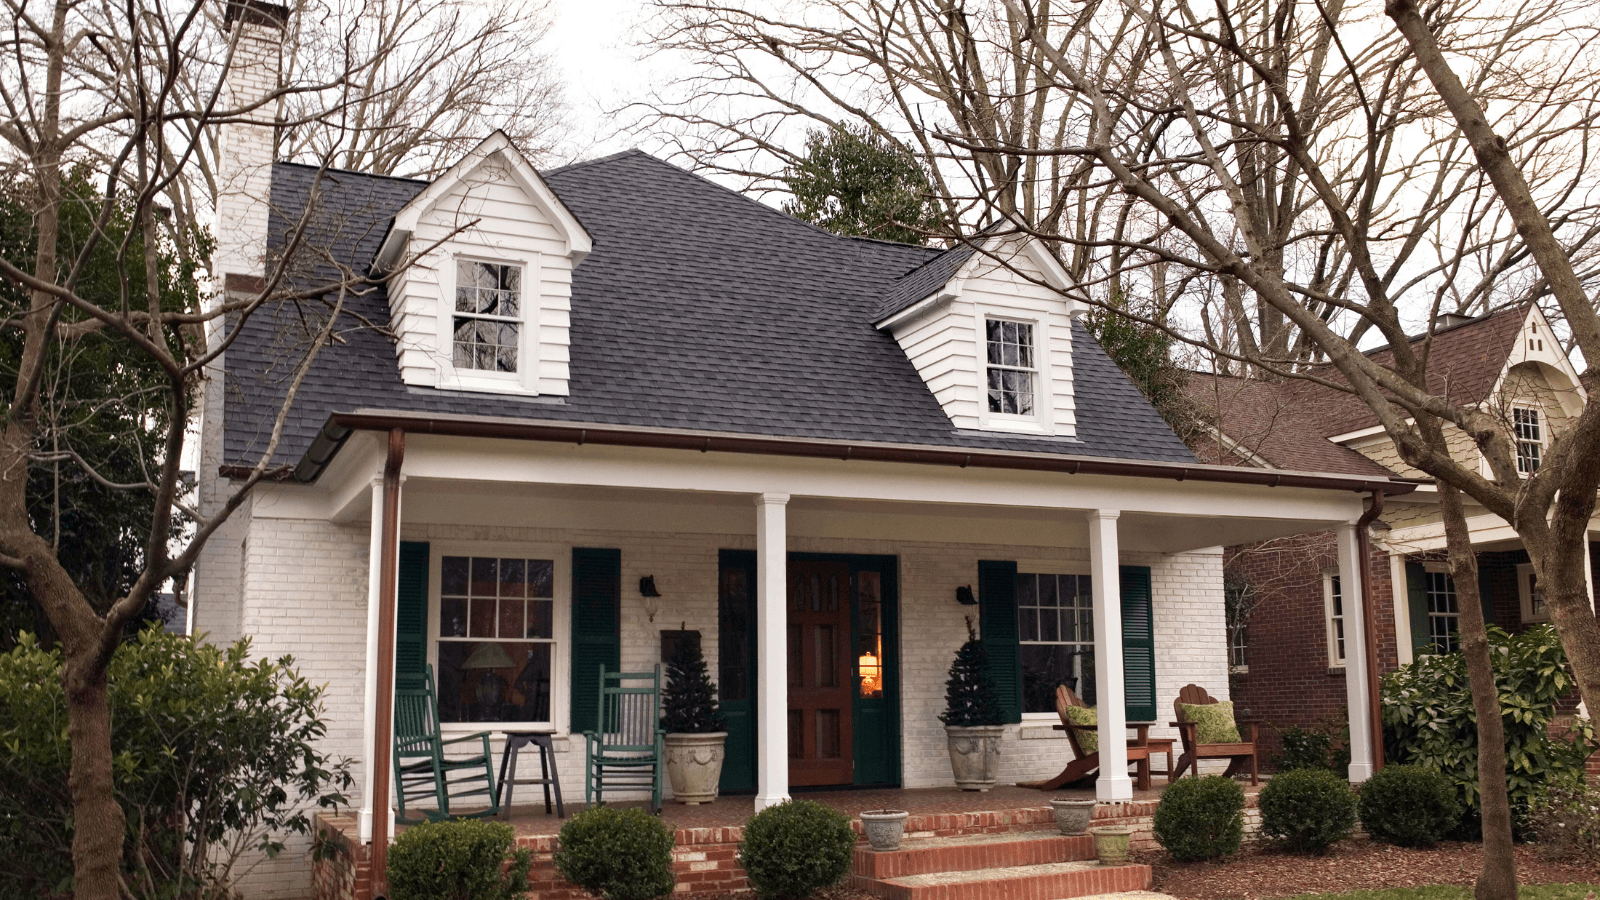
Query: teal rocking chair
x=422 y=771
x=627 y=751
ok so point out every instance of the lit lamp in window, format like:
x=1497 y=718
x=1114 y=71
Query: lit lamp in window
x=488 y=657
x=871 y=674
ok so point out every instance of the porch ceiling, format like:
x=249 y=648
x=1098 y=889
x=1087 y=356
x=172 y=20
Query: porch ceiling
x=467 y=502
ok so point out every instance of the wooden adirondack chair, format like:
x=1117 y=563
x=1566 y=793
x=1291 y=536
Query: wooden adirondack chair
x=628 y=750
x=1237 y=754
x=1085 y=767
x=421 y=769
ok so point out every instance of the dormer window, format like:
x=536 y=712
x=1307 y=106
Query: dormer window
x=1529 y=434
x=488 y=316
x=1011 y=367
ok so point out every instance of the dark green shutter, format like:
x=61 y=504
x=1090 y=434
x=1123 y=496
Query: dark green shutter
x=1417 y=601
x=997 y=624
x=411 y=610
x=596 y=628
x=1138 y=645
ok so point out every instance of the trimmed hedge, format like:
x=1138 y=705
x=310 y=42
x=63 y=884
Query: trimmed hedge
x=462 y=859
x=619 y=854
x=794 y=849
x=1409 y=805
x=1307 y=810
x=1200 y=818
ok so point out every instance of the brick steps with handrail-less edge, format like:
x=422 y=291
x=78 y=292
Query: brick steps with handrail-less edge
x=1014 y=866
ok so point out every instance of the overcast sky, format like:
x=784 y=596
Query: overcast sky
x=591 y=42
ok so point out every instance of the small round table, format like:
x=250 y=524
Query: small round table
x=515 y=741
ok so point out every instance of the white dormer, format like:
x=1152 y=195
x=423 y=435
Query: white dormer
x=994 y=342
x=486 y=303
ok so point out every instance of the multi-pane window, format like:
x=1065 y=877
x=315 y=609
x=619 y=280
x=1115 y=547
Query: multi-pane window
x=1444 y=616
x=496 y=639
x=1237 y=643
x=1011 y=367
x=1530 y=438
x=1335 y=604
x=488 y=317
x=1055 y=621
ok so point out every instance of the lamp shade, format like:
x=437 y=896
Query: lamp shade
x=488 y=656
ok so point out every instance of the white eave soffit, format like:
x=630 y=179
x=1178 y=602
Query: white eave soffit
x=1054 y=275
x=578 y=242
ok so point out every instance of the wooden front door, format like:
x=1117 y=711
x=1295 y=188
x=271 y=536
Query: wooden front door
x=820 y=683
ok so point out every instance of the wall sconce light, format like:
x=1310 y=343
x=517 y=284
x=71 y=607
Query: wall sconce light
x=964 y=596
x=647 y=587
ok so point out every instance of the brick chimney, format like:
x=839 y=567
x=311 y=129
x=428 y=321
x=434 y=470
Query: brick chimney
x=244 y=165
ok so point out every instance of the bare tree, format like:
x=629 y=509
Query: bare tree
x=130 y=91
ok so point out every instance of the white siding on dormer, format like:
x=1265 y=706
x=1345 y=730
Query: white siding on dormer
x=947 y=345
x=497 y=221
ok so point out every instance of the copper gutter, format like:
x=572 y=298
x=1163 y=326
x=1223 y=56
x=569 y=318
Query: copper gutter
x=1369 y=627
x=340 y=425
x=383 y=727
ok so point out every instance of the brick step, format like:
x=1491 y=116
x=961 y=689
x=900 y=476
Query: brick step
x=1049 y=881
x=926 y=855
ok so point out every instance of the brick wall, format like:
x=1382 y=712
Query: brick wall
x=1290 y=681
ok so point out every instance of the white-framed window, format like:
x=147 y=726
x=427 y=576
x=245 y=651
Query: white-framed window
x=1528 y=430
x=498 y=628
x=1238 y=660
x=1055 y=623
x=1533 y=608
x=1444 y=614
x=1011 y=355
x=486 y=322
x=1333 y=605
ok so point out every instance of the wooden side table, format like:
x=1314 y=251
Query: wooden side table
x=1162 y=745
x=515 y=741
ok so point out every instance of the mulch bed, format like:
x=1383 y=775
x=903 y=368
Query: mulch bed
x=1353 y=865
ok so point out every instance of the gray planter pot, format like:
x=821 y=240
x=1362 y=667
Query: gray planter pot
x=884 y=828
x=1072 y=816
x=694 y=766
x=974 y=755
x=1111 y=844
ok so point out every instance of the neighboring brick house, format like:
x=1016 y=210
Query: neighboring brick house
x=1287 y=666
x=618 y=370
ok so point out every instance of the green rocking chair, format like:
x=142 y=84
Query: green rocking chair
x=422 y=771
x=627 y=751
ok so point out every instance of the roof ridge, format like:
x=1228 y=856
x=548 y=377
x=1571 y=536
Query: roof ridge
x=386 y=177
x=583 y=163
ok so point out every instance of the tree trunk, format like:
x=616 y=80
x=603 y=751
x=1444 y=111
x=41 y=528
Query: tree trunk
x=97 y=821
x=1498 y=880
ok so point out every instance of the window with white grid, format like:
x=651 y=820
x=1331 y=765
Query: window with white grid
x=1012 y=367
x=487 y=326
x=1055 y=622
x=1529 y=432
x=1444 y=616
x=1335 y=611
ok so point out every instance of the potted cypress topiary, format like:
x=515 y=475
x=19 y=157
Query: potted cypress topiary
x=693 y=726
x=972 y=718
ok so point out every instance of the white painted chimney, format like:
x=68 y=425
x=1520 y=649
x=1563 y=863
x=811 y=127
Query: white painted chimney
x=244 y=164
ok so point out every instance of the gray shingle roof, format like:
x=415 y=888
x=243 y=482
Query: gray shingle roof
x=698 y=308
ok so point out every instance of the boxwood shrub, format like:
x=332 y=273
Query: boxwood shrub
x=1307 y=810
x=462 y=859
x=1409 y=805
x=794 y=849
x=618 y=854
x=1200 y=818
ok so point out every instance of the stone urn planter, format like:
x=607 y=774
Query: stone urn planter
x=1111 y=844
x=974 y=755
x=884 y=828
x=694 y=765
x=1072 y=816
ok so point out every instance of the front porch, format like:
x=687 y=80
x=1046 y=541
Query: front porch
x=943 y=821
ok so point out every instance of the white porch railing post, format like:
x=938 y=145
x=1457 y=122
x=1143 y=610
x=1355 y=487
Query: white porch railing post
x=1110 y=694
x=772 y=644
x=1355 y=652
x=369 y=704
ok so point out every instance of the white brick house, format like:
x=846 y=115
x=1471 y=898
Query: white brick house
x=617 y=370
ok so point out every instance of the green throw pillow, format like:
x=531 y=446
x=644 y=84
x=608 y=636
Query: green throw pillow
x=1084 y=715
x=1214 y=722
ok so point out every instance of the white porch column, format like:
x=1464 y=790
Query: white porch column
x=772 y=644
x=1110 y=695
x=1355 y=652
x=369 y=705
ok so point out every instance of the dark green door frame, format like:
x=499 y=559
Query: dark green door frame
x=876 y=720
